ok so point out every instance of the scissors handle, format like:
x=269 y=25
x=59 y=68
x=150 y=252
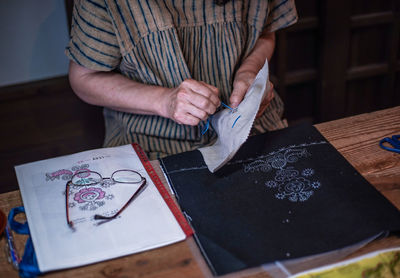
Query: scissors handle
x=394 y=141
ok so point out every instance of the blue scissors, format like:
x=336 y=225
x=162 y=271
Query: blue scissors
x=394 y=143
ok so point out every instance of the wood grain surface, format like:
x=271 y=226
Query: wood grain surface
x=357 y=138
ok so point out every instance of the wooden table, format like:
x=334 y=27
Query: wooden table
x=355 y=137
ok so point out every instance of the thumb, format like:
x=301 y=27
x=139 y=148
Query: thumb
x=239 y=90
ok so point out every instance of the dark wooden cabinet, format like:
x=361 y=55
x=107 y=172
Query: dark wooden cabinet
x=342 y=58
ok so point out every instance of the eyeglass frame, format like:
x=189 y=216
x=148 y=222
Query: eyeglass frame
x=97 y=216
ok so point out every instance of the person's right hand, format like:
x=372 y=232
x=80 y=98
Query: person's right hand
x=191 y=102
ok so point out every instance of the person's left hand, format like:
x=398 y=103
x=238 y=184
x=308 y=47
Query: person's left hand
x=242 y=82
x=269 y=95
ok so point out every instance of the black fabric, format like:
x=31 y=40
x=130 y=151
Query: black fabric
x=286 y=194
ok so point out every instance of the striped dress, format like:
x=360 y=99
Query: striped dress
x=165 y=42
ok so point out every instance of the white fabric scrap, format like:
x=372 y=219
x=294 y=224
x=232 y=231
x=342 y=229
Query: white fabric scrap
x=230 y=139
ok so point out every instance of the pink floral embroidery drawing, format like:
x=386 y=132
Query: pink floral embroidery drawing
x=91 y=198
x=66 y=174
x=89 y=195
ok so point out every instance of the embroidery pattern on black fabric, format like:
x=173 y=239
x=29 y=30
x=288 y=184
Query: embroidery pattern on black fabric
x=289 y=182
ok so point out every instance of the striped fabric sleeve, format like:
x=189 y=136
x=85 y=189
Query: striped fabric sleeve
x=93 y=43
x=281 y=14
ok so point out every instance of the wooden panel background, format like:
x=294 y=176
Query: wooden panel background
x=342 y=58
x=41 y=120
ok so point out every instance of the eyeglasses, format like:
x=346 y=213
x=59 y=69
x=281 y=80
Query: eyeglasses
x=87 y=178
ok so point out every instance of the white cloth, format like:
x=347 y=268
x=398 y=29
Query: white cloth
x=232 y=135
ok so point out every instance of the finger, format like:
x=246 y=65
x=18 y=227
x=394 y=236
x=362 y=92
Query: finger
x=194 y=111
x=183 y=108
x=202 y=103
x=211 y=87
x=187 y=119
x=203 y=89
x=270 y=93
x=215 y=99
x=266 y=101
x=263 y=106
x=239 y=90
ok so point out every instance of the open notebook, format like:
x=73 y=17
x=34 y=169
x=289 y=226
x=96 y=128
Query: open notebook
x=148 y=222
x=285 y=195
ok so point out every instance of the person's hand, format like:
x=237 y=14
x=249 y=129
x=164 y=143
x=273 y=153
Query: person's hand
x=269 y=95
x=191 y=102
x=242 y=82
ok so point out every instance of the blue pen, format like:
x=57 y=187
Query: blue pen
x=12 y=251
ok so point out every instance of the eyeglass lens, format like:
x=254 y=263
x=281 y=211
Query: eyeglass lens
x=85 y=178
x=126 y=176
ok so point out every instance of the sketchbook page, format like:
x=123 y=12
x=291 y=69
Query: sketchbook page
x=145 y=224
x=233 y=128
x=287 y=268
x=381 y=263
x=285 y=195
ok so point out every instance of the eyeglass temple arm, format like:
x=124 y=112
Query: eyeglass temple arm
x=137 y=192
x=70 y=223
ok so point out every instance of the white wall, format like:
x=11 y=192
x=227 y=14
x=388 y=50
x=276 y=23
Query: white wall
x=33 y=36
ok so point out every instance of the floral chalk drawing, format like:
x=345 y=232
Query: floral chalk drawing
x=289 y=182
